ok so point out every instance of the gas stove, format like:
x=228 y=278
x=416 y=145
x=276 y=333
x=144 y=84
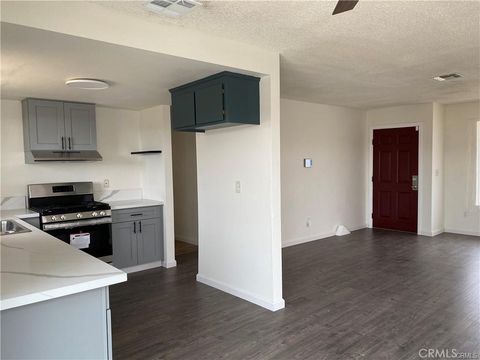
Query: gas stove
x=69 y=212
x=66 y=204
x=85 y=211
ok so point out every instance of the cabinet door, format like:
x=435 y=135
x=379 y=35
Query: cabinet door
x=80 y=126
x=183 y=109
x=124 y=244
x=46 y=124
x=209 y=103
x=150 y=240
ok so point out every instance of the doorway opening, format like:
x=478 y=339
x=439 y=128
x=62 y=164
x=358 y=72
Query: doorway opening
x=395 y=178
x=184 y=163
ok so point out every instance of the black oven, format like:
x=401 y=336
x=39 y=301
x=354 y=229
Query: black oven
x=100 y=239
x=69 y=212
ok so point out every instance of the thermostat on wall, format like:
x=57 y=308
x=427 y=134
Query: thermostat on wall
x=307 y=163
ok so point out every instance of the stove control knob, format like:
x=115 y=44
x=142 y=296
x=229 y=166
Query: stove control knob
x=62 y=217
x=53 y=218
x=94 y=213
x=102 y=213
x=79 y=216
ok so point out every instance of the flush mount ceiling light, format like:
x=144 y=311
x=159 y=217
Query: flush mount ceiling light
x=447 y=77
x=87 y=84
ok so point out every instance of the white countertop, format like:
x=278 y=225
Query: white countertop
x=18 y=213
x=129 y=204
x=36 y=266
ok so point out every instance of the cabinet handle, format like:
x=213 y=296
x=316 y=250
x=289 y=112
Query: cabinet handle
x=136 y=214
x=63 y=142
x=134 y=227
x=69 y=143
x=140 y=226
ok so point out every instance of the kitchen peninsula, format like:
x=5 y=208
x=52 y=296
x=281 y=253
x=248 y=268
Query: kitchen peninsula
x=54 y=299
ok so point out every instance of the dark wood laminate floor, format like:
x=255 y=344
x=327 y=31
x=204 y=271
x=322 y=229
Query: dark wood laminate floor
x=371 y=295
x=182 y=248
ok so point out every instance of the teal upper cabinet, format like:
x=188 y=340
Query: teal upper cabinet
x=209 y=103
x=183 y=108
x=220 y=100
x=59 y=126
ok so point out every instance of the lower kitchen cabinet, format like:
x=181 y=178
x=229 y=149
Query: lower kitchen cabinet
x=76 y=326
x=124 y=244
x=149 y=247
x=137 y=241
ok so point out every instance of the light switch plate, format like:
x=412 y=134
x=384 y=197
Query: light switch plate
x=307 y=163
x=238 y=187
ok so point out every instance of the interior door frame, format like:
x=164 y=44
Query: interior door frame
x=421 y=182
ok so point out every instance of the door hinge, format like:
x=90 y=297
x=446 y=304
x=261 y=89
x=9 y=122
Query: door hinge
x=372 y=215
x=373 y=142
x=372 y=178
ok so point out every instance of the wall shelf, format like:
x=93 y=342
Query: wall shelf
x=146 y=152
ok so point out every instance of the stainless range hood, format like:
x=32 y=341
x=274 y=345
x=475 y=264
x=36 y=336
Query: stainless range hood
x=35 y=156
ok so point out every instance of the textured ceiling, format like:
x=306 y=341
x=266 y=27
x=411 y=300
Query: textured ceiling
x=380 y=53
x=36 y=63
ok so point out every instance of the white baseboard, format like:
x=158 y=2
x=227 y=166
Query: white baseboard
x=169 y=264
x=303 y=240
x=186 y=239
x=151 y=265
x=142 y=267
x=437 y=232
x=430 y=233
x=245 y=295
x=463 y=232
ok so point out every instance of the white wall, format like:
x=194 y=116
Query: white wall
x=237 y=230
x=421 y=114
x=332 y=191
x=117 y=135
x=157 y=182
x=461 y=214
x=242 y=255
x=185 y=186
x=437 y=226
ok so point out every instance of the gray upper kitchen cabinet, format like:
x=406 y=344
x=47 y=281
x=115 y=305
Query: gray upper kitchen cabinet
x=58 y=125
x=149 y=248
x=44 y=124
x=124 y=244
x=80 y=126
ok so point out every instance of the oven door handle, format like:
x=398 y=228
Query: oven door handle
x=73 y=224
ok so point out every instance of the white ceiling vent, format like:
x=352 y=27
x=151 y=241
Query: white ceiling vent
x=172 y=7
x=447 y=77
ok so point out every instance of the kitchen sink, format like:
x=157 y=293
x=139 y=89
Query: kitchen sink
x=12 y=227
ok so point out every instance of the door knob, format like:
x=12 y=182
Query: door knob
x=415 y=182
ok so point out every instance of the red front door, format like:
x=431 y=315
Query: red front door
x=395 y=179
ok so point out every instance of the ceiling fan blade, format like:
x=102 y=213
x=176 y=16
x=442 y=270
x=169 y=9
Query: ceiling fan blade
x=344 y=5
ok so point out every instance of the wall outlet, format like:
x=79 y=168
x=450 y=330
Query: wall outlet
x=106 y=183
x=308 y=223
x=238 y=187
